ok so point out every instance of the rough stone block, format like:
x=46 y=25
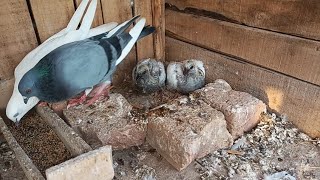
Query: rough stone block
x=96 y=164
x=241 y=110
x=183 y=130
x=108 y=122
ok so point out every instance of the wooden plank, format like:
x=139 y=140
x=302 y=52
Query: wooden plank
x=299 y=17
x=290 y=55
x=30 y=170
x=51 y=16
x=6 y=89
x=17 y=36
x=144 y=46
x=159 y=23
x=73 y=142
x=120 y=11
x=98 y=18
x=297 y=99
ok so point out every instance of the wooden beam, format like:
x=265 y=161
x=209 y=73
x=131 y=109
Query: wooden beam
x=120 y=11
x=73 y=142
x=159 y=23
x=30 y=170
x=98 y=18
x=290 y=55
x=51 y=16
x=286 y=95
x=6 y=89
x=17 y=36
x=145 y=46
x=299 y=17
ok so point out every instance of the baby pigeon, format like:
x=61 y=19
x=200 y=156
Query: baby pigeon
x=149 y=75
x=81 y=65
x=185 y=76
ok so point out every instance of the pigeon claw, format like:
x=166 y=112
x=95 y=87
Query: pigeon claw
x=77 y=101
x=101 y=91
x=43 y=104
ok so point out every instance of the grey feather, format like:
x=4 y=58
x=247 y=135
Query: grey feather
x=149 y=75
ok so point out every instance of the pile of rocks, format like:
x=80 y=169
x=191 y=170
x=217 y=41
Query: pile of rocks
x=181 y=130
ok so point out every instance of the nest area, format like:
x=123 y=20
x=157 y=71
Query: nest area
x=275 y=148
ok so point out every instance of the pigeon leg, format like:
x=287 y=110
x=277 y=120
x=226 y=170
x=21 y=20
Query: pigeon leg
x=76 y=101
x=99 y=91
x=42 y=104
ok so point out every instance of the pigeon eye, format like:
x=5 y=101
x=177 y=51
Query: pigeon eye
x=28 y=91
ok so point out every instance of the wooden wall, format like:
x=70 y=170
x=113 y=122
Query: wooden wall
x=270 y=49
x=24 y=24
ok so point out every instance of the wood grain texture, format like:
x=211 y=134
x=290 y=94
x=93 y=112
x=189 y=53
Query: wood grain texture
x=297 y=99
x=120 y=11
x=145 y=47
x=290 y=55
x=159 y=23
x=17 y=36
x=299 y=17
x=98 y=18
x=51 y=16
x=6 y=89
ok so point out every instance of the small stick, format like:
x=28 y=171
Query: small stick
x=29 y=169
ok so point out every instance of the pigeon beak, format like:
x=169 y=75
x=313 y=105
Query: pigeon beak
x=25 y=99
x=17 y=123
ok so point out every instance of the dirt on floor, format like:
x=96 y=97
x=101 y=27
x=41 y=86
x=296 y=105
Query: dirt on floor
x=40 y=142
x=275 y=149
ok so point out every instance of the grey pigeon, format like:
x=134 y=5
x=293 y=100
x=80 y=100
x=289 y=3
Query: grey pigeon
x=185 y=76
x=78 y=66
x=149 y=75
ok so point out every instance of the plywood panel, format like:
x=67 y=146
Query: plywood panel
x=98 y=18
x=17 y=36
x=145 y=48
x=299 y=17
x=120 y=11
x=290 y=55
x=297 y=99
x=51 y=16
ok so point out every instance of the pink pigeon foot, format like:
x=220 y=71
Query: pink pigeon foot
x=77 y=101
x=42 y=104
x=98 y=92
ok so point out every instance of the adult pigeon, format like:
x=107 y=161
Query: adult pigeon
x=149 y=75
x=75 y=67
x=16 y=107
x=185 y=76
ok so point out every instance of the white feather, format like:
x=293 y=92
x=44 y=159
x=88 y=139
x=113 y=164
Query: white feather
x=135 y=33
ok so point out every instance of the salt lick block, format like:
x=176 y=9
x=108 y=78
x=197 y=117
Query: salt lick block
x=188 y=130
x=109 y=122
x=96 y=164
x=241 y=110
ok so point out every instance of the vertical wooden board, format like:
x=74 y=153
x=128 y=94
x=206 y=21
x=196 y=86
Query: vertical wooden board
x=159 y=23
x=98 y=19
x=294 y=56
x=51 y=16
x=6 y=89
x=297 y=99
x=17 y=36
x=144 y=46
x=120 y=11
x=299 y=17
